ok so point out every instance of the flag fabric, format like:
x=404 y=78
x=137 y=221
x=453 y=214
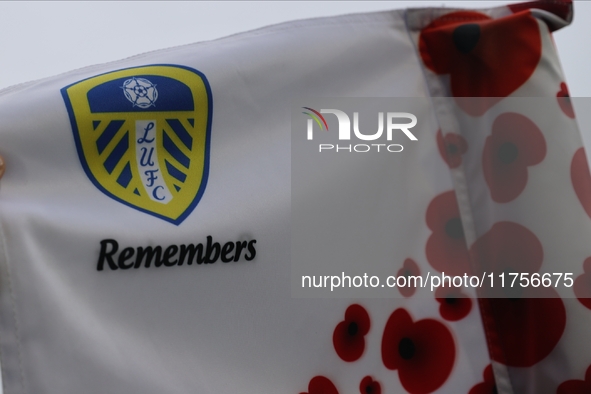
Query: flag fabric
x=145 y=215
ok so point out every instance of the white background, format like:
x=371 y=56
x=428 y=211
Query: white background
x=41 y=39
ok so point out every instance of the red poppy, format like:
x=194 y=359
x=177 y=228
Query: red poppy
x=582 y=286
x=581 y=179
x=576 y=386
x=455 y=305
x=409 y=268
x=564 y=101
x=515 y=144
x=369 y=386
x=451 y=148
x=423 y=352
x=489 y=385
x=517 y=324
x=321 y=385
x=349 y=335
x=446 y=247
x=511 y=248
x=469 y=47
x=508 y=247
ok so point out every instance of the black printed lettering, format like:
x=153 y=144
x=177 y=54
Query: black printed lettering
x=173 y=255
x=212 y=247
x=251 y=250
x=191 y=250
x=150 y=253
x=125 y=255
x=168 y=254
x=108 y=256
x=239 y=247
x=227 y=249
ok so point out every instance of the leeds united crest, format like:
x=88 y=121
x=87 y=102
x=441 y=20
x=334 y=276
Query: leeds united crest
x=143 y=135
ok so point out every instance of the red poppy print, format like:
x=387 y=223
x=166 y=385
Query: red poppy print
x=508 y=247
x=488 y=386
x=468 y=46
x=369 y=386
x=446 y=247
x=581 y=179
x=409 y=268
x=564 y=101
x=576 y=386
x=321 y=385
x=423 y=352
x=511 y=248
x=517 y=323
x=582 y=286
x=451 y=148
x=455 y=305
x=514 y=144
x=349 y=335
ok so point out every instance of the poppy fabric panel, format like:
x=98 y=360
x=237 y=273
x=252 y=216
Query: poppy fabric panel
x=509 y=136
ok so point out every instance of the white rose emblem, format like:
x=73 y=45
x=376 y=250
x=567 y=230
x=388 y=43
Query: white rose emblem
x=140 y=92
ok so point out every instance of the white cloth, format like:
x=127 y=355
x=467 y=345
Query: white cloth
x=68 y=328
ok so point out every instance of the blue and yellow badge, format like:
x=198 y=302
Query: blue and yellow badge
x=143 y=136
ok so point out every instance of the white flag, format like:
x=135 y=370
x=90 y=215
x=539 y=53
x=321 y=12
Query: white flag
x=147 y=226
